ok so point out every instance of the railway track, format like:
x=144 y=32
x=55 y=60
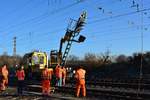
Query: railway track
x=117 y=90
x=101 y=92
x=121 y=84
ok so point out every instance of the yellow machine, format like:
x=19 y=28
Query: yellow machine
x=35 y=61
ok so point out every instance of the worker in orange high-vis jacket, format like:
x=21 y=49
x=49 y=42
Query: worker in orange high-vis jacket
x=20 y=74
x=63 y=76
x=4 y=80
x=46 y=77
x=58 y=73
x=80 y=81
x=50 y=73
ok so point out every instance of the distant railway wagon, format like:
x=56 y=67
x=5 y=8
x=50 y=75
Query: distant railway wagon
x=35 y=61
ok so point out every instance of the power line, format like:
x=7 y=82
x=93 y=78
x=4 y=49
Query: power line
x=106 y=31
x=42 y=35
x=42 y=16
x=37 y=43
x=104 y=35
x=117 y=16
x=102 y=8
x=32 y=30
x=18 y=8
x=118 y=28
x=123 y=38
x=24 y=6
x=39 y=34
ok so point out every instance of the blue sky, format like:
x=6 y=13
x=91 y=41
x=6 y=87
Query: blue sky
x=40 y=24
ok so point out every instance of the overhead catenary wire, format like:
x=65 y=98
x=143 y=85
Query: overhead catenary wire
x=17 y=8
x=36 y=29
x=41 y=35
x=60 y=10
x=103 y=35
x=117 y=16
x=68 y=6
x=123 y=38
x=103 y=9
x=20 y=9
x=103 y=32
x=42 y=16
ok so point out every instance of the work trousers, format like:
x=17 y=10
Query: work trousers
x=45 y=87
x=20 y=86
x=4 y=83
x=80 y=85
x=59 y=82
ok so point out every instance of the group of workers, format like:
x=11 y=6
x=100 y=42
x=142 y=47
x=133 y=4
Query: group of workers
x=4 y=73
x=59 y=72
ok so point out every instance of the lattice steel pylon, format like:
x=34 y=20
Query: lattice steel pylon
x=14 y=46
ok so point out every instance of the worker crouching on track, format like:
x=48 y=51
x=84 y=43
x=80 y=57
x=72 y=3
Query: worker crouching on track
x=20 y=76
x=46 y=78
x=4 y=77
x=80 y=81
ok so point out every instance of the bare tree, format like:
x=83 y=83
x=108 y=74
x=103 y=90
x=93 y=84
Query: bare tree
x=121 y=58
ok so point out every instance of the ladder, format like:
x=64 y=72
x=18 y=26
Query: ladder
x=67 y=49
x=73 y=31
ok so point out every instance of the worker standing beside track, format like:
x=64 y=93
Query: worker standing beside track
x=20 y=76
x=4 y=77
x=46 y=78
x=80 y=81
x=58 y=73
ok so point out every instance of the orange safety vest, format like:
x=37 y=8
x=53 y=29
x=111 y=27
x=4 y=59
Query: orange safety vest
x=4 y=73
x=58 y=72
x=47 y=74
x=50 y=73
x=80 y=74
x=20 y=74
